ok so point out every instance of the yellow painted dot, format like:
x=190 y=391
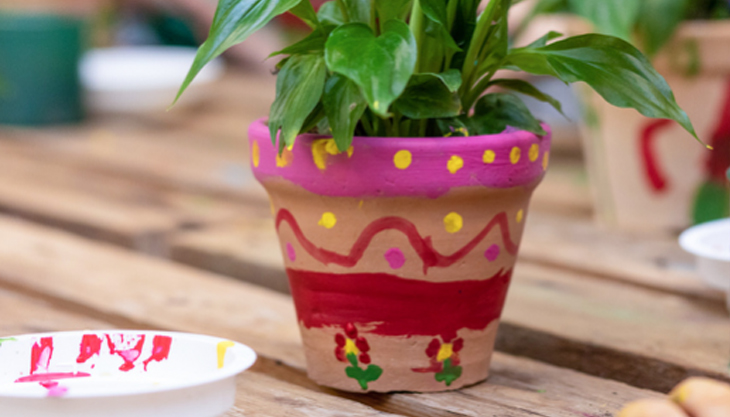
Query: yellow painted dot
x=534 y=152
x=520 y=216
x=361 y=204
x=319 y=154
x=402 y=159
x=546 y=160
x=489 y=157
x=286 y=158
x=255 y=154
x=453 y=222
x=515 y=155
x=455 y=164
x=328 y=220
x=222 y=348
x=331 y=147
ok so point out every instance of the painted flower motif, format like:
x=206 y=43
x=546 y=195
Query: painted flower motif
x=351 y=344
x=353 y=349
x=444 y=360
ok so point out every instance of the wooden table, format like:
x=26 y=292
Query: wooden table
x=155 y=222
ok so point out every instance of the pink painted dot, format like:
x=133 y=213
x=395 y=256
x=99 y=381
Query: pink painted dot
x=395 y=258
x=291 y=252
x=492 y=253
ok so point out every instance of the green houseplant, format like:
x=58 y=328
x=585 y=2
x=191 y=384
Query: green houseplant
x=644 y=174
x=400 y=166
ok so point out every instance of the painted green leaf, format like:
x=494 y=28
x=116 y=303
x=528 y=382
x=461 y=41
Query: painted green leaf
x=612 y=67
x=449 y=374
x=343 y=105
x=381 y=66
x=430 y=96
x=234 y=21
x=527 y=89
x=9 y=339
x=494 y=112
x=298 y=90
x=364 y=376
x=711 y=203
x=611 y=17
x=331 y=13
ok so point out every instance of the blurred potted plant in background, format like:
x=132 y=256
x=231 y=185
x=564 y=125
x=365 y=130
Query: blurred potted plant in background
x=400 y=167
x=644 y=174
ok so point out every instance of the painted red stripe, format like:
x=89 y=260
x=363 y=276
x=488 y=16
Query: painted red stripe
x=51 y=377
x=718 y=161
x=422 y=245
x=393 y=306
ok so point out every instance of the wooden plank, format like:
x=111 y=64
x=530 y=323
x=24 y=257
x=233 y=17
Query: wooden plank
x=578 y=311
x=111 y=209
x=580 y=245
x=257 y=393
x=202 y=149
x=156 y=293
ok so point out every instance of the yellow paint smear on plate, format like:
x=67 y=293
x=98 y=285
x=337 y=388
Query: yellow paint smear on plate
x=222 y=349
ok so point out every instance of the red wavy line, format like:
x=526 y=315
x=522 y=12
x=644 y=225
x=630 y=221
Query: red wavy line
x=657 y=178
x=423 y=246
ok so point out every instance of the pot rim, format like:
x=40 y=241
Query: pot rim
x=407 y=166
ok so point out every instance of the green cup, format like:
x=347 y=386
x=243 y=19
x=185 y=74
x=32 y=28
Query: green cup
x=39 y=69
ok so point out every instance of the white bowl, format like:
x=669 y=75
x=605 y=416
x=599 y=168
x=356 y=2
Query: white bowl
x=119 y=374
x=141 y=79
x=710 y=243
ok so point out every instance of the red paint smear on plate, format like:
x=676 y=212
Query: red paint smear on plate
x=129 y=355
x=422 y=245
x=160 y=349
x=41 y=354
x=90 y=346
x=50 y=377
x=395 y=306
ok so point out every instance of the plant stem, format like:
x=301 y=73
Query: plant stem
x=481 y=31
x=417 y=28
x=343 y=8
x=474 y=93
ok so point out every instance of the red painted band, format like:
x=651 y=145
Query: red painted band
x=718 y=161
x=422 y=245
x=392 y=306
x=51 y=377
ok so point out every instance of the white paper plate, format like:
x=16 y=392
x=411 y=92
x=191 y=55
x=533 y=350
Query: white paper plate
x=142 y=78
x=710 y=243
x=119 y=374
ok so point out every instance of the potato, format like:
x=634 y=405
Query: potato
x=652 y=408
x=703 y=397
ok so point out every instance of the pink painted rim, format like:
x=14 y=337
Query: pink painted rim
x=380 y=166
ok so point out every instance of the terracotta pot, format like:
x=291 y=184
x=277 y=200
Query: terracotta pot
x=650 y=174
x=400 y=251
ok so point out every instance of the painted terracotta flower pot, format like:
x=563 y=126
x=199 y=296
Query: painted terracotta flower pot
x=400 y=251
x=650 y=174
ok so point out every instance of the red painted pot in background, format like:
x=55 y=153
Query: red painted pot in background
x=400 y=251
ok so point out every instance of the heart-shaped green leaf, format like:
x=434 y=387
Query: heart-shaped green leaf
x=298 y=90
x=233 y=22
x=358 y=10
x=431 y=96
x=612 y=67
x=435 y=11
x=305 y=11
x=331 y=13
x=343 y=105
x=381 y=66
